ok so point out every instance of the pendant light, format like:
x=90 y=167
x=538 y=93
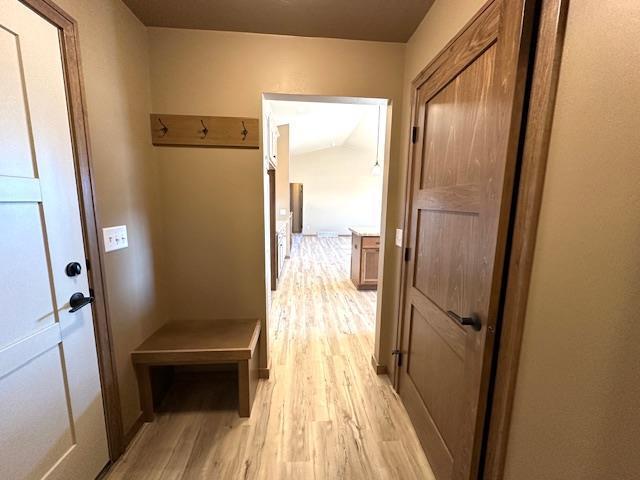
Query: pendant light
x=376 y=171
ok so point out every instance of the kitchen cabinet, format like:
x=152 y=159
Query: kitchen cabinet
x=282 y=248
x=365 y=253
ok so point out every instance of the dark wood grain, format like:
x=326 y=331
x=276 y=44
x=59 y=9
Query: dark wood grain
x=468 y=107
x=550 y=37
x=84 y=177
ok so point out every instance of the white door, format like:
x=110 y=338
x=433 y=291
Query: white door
x=51 y=413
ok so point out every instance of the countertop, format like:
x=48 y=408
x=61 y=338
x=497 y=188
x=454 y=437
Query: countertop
x=366 y=231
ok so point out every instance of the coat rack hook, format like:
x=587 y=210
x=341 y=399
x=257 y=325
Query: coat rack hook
x=204 y=130
x=164 y=128
x=244 y=132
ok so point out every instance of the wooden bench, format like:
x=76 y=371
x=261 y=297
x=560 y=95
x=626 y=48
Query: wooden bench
x=204 y=342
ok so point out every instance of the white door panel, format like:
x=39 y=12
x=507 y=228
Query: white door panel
x=51 y=411
x=14 y=129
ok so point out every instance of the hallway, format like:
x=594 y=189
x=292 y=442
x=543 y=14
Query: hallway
x=323 y=414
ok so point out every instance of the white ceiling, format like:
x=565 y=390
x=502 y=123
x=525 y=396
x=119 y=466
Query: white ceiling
x=318 y=125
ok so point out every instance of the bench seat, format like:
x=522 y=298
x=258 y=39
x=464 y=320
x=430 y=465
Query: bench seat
x=202 y=342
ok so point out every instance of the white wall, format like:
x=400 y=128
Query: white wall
x=339 y=189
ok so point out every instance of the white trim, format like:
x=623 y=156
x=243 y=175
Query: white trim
x=15 y=355
x=20 y=189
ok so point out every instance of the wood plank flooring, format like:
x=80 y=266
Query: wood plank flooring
x=323 y=414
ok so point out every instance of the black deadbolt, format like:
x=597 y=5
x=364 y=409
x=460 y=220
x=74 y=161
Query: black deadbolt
x=73 y=269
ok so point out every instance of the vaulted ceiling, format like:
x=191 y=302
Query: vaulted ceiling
x=316 y=125
x=381 y=20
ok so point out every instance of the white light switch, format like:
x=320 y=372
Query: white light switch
x=115 y=238
x=283 y=211
x=399 y=233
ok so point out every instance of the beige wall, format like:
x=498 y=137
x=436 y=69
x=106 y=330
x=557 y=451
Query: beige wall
x=577 y=410
x=212 y=199
x=574 y=411
x=116 y=77
x=443 y=20
x=282 y=172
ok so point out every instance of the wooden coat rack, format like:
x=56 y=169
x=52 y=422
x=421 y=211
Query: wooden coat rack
x=201 y=131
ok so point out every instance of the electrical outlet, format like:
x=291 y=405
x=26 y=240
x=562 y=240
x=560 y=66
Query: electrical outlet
x=399 y=234
x=115 y=238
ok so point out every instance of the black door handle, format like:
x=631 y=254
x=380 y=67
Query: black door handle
x=472 y=321
x=78 y=300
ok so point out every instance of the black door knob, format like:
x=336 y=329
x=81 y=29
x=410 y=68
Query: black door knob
x=78 y=300
x=73 y=269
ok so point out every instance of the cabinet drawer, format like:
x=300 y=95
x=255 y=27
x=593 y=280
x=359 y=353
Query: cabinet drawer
x=370 y=242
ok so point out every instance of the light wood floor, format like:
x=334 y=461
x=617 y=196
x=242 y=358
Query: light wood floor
x=323 y=414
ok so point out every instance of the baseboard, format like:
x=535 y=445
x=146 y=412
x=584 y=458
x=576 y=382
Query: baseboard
x=105 y=471
x=133 y=431
x=378 y=368
x=128 y=438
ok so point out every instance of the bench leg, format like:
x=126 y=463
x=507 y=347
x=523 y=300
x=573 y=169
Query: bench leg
x=248 y=376
x=146 y=392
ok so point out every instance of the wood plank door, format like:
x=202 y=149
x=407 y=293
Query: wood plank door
x=468 y=109
x=51 y=415
x=273 y=237
x=296 y=207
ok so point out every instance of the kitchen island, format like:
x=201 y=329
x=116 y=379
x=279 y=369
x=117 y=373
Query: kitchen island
x=365 y=253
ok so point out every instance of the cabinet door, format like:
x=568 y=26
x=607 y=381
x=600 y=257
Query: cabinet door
x=369 y=274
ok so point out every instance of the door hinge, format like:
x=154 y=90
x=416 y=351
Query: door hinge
x=414 y=134
x=398 y=355
x=407 y=254
x=88 y=264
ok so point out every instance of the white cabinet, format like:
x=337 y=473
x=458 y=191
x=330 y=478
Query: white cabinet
x=273 y=142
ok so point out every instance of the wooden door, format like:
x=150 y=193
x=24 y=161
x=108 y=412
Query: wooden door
x=52 y=418
x=273 y=237
x=296 y=207
x=468 y=109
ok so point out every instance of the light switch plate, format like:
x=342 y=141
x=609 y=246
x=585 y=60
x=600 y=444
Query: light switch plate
x=115 y=238
x=283 y=211
x=399 y=234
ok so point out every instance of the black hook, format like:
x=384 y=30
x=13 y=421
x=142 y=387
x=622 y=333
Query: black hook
x=164 y=128
x=244 y=132
x=204 y=130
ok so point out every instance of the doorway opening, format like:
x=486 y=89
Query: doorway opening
x=324 y=163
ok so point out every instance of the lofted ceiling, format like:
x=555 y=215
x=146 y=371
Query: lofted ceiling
x=380 y=20
x=317 y=125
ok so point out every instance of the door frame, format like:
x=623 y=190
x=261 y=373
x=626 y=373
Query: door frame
x=273 y=255
x=76 y=102
x=549 y=25
x=534 y=150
